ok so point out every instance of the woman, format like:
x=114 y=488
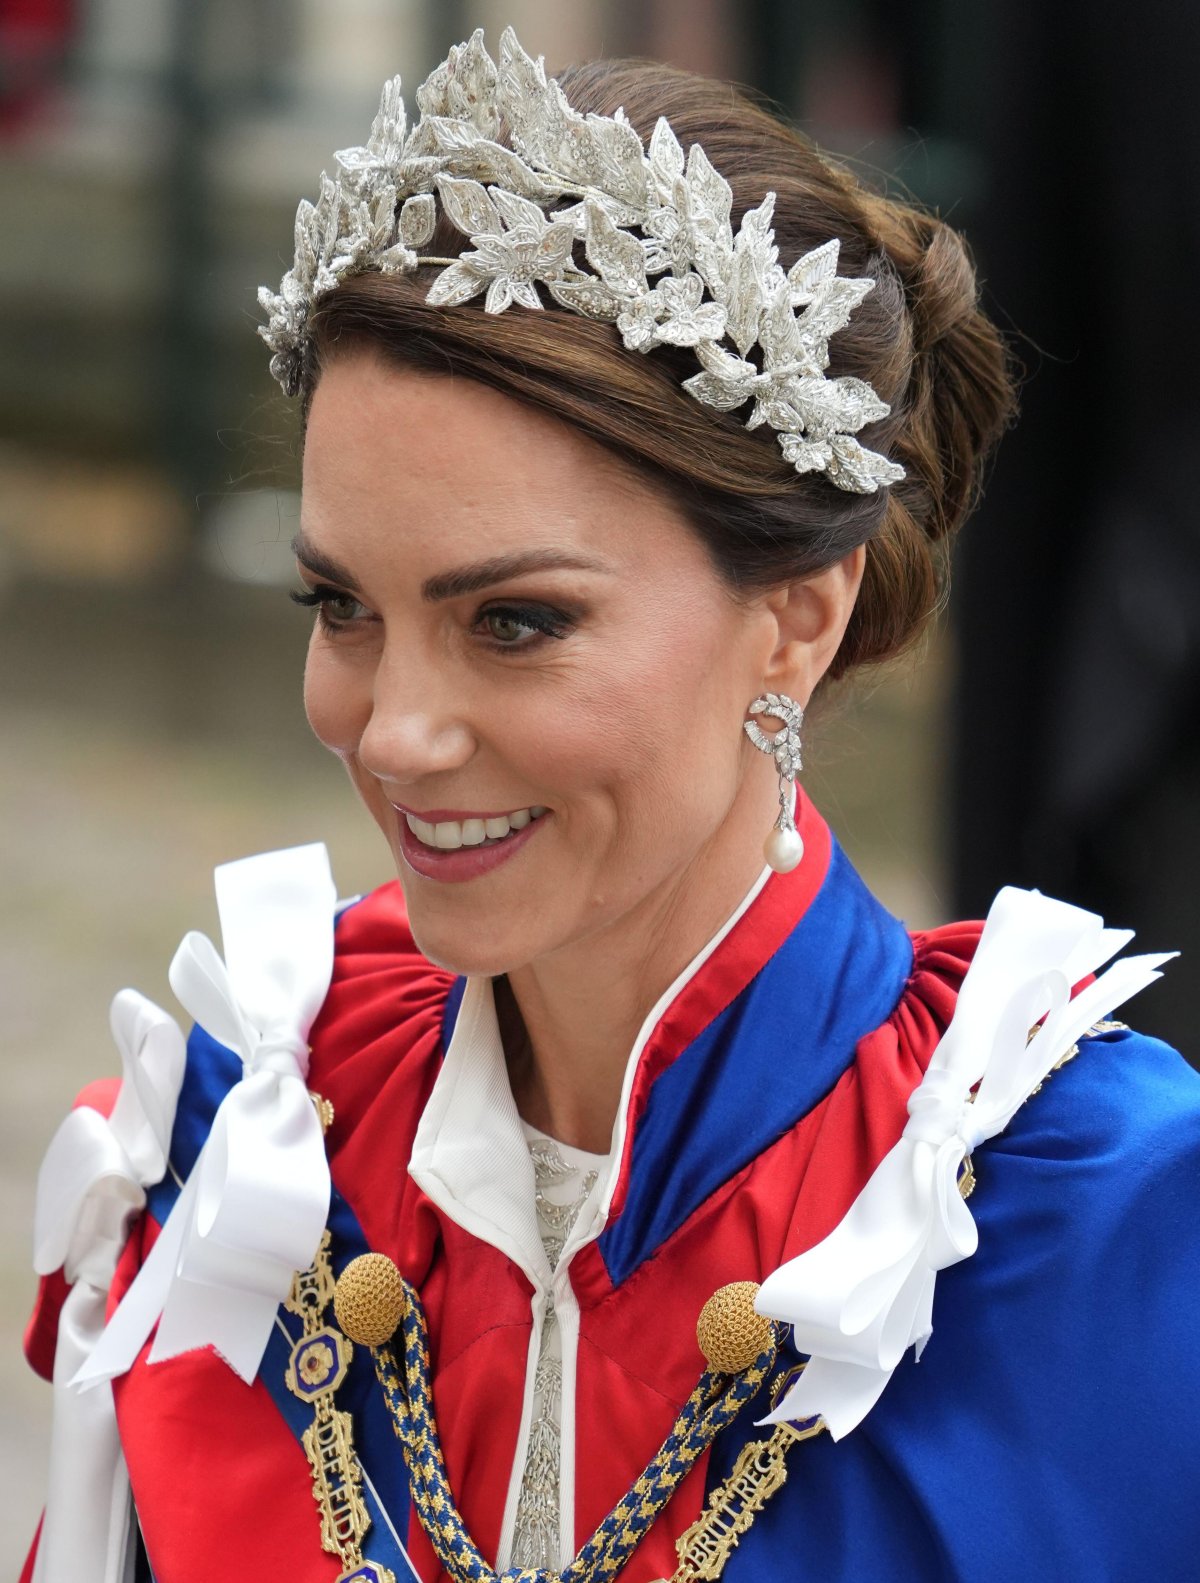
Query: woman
x=576 y=570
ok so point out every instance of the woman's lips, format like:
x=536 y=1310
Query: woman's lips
x=460 y=863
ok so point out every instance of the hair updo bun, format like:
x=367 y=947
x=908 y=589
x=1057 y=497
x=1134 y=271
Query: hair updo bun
x=919 y=339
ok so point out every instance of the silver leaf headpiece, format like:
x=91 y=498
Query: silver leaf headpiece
x=569 y=181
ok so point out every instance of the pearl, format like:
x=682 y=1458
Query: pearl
x=783 y=849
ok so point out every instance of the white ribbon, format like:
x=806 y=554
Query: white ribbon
x=254 y=1207
x=90 y=1187
x=863 y=1296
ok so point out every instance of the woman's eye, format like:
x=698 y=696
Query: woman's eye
x=518 y=627
x=335 y=608
x=341 y=608
x=506 y=627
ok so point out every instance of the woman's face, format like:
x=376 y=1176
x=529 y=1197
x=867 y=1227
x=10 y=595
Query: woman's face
x=528 y=665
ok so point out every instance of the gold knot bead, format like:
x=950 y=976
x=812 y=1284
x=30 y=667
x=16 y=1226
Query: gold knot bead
x=731 y=1334
x=369 y=1299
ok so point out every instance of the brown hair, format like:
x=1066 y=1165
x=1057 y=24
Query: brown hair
x=918 y=338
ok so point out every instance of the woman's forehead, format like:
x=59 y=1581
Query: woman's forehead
x=448 y=461
x=446 y=429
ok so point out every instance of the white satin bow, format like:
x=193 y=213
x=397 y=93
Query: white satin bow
x=255 y=1205
x=863 y=1296
x=90 y=1186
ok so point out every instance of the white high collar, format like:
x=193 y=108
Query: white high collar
x=470 y=1154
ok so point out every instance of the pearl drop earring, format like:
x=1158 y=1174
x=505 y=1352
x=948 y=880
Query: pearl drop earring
x=783 y=848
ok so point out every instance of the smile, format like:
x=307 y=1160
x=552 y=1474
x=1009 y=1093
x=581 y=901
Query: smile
x=448 y=835
x=453 y=849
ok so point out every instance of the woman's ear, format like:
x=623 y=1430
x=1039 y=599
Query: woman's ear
x=811 y=617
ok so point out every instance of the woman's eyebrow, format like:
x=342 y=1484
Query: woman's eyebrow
x=321 y=564
x=499 y=568
x=461 y=579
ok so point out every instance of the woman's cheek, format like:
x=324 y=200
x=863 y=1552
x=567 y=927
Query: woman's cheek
x=336 y=705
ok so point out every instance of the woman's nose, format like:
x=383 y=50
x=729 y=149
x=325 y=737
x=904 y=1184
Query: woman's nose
x=415 y=728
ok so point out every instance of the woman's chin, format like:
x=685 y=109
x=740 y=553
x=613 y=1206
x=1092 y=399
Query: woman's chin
x=479 y=944
x=469 y=958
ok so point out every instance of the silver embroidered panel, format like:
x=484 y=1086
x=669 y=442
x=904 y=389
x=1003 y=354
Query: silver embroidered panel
x=536 y=1529
x=579 y=209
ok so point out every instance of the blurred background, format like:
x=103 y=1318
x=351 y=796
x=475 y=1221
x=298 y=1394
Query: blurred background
x=151 y=156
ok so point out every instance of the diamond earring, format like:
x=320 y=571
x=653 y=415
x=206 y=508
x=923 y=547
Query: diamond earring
x=783 y=848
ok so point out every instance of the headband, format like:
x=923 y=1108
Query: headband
x=579 y=209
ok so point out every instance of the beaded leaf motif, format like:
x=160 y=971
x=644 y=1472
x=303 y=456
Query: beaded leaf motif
x=579 y=209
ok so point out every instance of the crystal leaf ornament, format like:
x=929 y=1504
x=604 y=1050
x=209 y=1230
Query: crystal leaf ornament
x=578 y=211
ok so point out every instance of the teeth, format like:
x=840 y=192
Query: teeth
x=450 y=834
